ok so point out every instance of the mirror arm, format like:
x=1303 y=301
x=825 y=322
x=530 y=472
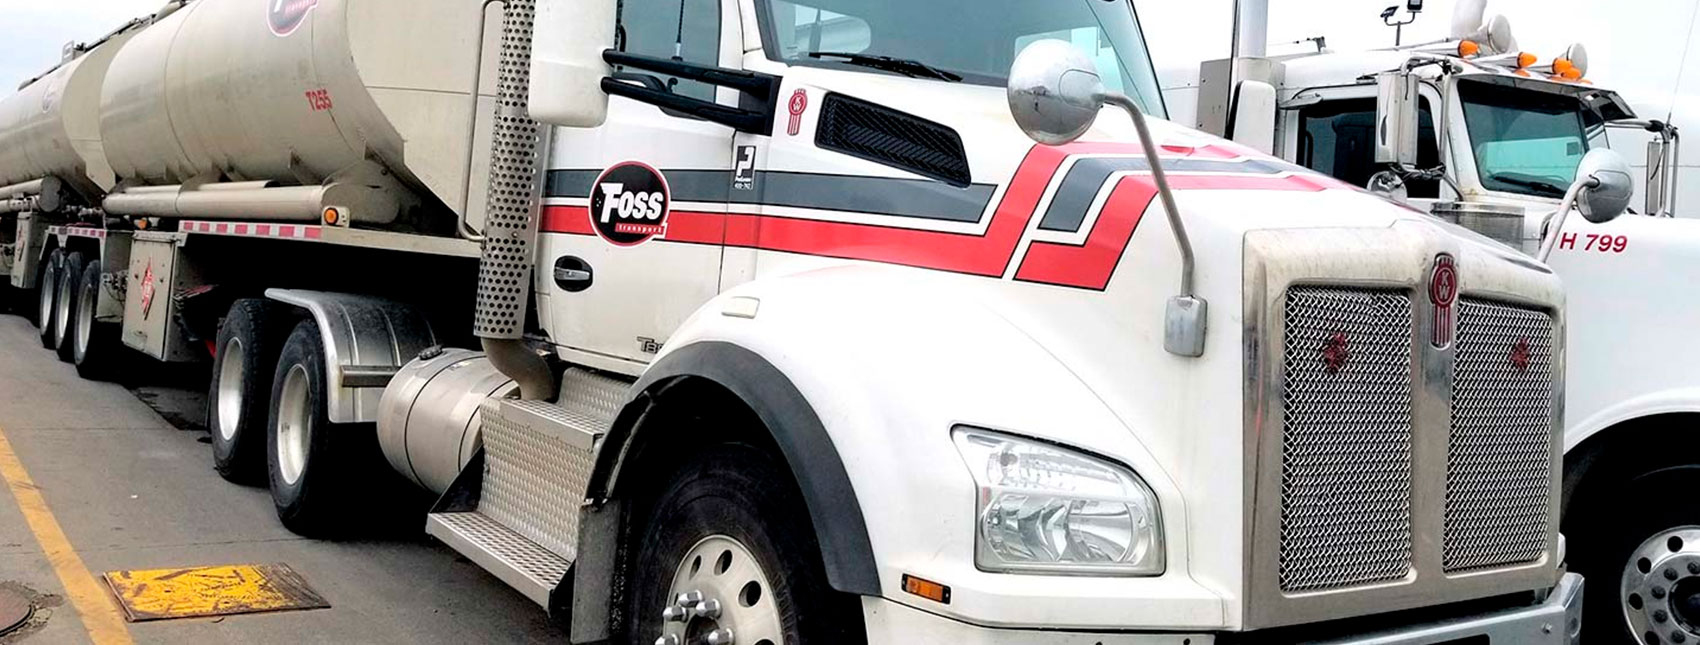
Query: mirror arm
x=1185 y=316
x=1555 y=226
x=764 y=88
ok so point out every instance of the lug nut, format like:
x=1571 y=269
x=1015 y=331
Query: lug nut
x=1678 y=637
x=669 y=639
x=1659 y=592
x=709 y=608
x=719 y=637
x=1660 y=616
x=1694 y=567
x=675 y=614
x=1670 y=574
x=689 y=598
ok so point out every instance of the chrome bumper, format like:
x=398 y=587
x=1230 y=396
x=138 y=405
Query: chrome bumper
x=1558 y=621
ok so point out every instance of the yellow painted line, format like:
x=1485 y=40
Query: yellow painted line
x=102 y=621
x=159 y=594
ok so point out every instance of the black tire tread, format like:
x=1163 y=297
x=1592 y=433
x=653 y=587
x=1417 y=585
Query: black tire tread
x=46 y=288
x=262 y=325
x=70 y=274
x=344 y=469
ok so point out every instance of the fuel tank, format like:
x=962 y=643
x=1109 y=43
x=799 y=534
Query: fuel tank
x=294 y=92
x=428 y=424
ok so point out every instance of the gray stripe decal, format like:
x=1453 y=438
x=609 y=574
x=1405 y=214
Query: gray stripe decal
x=918 y=198
x=1074 y=197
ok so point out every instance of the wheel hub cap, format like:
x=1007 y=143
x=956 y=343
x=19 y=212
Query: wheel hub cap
x=294 y=430
x=230 y=388
x=1661 y=587
x=721 y=596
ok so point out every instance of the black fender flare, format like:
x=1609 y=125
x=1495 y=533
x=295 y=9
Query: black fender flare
x=834 y=510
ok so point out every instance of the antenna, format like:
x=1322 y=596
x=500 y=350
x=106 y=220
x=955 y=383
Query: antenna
x=1412 y=8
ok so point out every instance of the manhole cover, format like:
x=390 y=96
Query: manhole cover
x=14 y=610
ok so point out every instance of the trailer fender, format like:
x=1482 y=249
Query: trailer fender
x=366 y=340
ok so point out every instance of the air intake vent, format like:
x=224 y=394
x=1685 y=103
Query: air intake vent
x=886 y=136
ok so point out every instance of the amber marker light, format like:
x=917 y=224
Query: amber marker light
x=1468 y=48
x=333 y=216
x=1525 y=59
x=926 y=589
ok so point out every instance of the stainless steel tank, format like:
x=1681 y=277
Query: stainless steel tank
x=51 y=127
x=428 y=422
x=294 y=92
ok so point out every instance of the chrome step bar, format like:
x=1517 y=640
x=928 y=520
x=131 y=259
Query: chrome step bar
x=515 y=509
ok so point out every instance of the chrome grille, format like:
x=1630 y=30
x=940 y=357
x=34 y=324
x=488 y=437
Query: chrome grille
x=1500 y=455
x=1346 y=442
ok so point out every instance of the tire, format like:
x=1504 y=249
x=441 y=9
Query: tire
x=95 y=348
x=1633 y=516
x=320 y=472
x=65 y=302
x=47 y=292
x=734 y=500
x=238 y=395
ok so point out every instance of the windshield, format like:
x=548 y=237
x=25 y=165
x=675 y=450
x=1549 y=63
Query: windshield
x=1524 y=141
x=974 y=40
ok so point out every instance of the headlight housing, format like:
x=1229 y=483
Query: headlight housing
x=1042 y=508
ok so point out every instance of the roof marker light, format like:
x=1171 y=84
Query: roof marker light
x=1525 y=59
x=1468 y=48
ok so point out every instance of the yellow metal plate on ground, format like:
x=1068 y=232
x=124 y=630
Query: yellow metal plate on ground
x=163 y=594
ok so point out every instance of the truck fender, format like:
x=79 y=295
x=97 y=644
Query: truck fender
x=1669 y=401
x=366 y=340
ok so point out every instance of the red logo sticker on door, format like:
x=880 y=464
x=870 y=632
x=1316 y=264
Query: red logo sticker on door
x=799 y=102
x=285 y=16
x=629 y=204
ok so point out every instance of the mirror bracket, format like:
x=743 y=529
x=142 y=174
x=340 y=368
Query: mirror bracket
x=764 y=88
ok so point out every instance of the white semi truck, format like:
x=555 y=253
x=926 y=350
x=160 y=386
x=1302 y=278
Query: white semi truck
x=760 y=321
x=1479 y=133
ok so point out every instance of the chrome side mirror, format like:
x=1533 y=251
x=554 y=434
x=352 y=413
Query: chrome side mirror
x=1055 y=92
x=1612 y=187
x=1602 y=191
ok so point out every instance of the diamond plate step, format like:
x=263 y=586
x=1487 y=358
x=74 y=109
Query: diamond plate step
x=517 y=561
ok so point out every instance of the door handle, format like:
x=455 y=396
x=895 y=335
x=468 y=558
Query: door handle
x=573 y=274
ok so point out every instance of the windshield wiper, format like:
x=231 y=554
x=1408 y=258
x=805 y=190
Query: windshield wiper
x=905 y=66
x=1541 y=185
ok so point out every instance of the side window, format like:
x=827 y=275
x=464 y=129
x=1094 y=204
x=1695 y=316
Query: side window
x=683 y=30
x=1337 y=138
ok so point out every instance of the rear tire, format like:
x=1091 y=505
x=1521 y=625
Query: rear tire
x=320 y=472
x=238 y=395
x=65 y=303
x=739 y=504
x=95 y=349
x=47 y=292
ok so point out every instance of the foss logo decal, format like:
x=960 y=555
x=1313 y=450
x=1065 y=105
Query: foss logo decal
x=629 y=204
x=285 y=16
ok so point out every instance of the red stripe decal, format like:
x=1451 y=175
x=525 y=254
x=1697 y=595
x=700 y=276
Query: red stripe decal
x=263 y=229
x=286 y=231
x=1089 y=266
x=313 y=232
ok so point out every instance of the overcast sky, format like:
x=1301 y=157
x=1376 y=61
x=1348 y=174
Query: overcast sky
x=33 y=32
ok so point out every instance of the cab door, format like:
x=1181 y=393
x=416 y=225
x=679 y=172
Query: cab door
x=633 y=209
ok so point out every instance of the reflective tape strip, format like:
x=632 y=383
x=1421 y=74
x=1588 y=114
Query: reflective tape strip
x=243 y=229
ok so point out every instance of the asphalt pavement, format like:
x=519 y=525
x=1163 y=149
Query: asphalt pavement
x=130 y=488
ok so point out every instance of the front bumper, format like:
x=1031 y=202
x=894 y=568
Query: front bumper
x=1555 y=621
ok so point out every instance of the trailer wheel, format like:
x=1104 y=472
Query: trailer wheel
x=94 y=345
x=728 y=546
x=47 y=291
x=1640 y=541
x=65 y=303
x=319 y=470
x=248 y=344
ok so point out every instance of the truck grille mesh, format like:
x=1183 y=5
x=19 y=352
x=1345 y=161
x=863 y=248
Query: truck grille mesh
x=1346 y=446
x=1500 y=455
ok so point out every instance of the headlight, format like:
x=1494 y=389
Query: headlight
x=1045 y=509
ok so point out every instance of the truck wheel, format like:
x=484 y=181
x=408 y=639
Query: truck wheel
x=94 y=345
x=47 y=291
x=1639 y=542
x=318 y=469
x=65 y=302
x=248 y=344
x=728 y=545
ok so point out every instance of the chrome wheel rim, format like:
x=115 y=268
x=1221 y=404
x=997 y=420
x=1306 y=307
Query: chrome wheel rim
x=61 y=312
x=47 y=286
x=294 y=431
x=1660 y=594
x=230 y=385
x=87 y=302
x=720 y=596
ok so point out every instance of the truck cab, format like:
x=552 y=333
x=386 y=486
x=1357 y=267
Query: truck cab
x=1492 y=139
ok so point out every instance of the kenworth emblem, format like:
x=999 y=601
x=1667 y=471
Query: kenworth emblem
x=1443 y=293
